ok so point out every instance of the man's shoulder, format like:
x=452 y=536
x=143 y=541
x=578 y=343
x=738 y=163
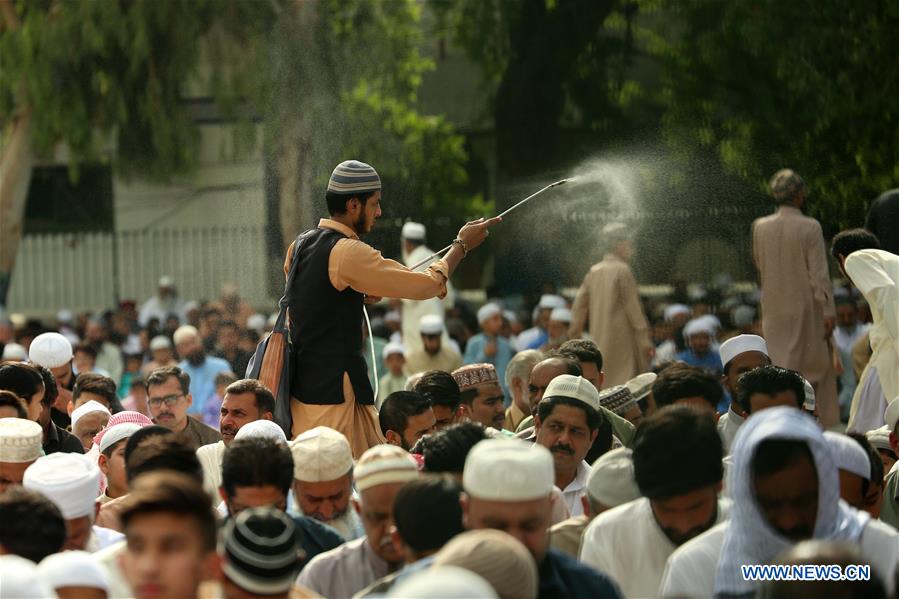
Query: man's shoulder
x=324 y=537
x=217 y=364
x=211 y=450
x=208 y=434
x=572 y=570
x=342 y=552
x=68 y=442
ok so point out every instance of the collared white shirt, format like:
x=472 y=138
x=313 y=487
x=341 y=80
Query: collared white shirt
x=344 y=570
x=576 y=489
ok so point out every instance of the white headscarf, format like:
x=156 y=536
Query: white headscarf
x=750 y=539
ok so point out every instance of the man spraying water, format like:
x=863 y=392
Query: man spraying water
x=336 y=273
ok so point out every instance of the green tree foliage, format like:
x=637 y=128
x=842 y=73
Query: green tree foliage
x=344 y=83
x=89 y=70
x=809 y=85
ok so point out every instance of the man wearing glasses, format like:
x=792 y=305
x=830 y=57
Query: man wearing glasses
x=169 y=399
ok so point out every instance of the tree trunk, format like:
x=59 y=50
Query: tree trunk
x=545 y=44
x=16 y=161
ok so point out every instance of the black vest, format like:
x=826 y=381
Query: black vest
x=325 y=327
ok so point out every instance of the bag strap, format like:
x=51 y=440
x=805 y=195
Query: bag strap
x=298 y=244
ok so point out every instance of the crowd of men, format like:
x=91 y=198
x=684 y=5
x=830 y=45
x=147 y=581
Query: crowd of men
x=599 y=445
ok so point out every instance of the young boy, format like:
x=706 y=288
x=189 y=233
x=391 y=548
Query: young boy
x=171 y=536
x=394 y=379
x=488 y=346
x=112 y=459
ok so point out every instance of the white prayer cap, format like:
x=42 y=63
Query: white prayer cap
x=549 y=301
x=86 y=408
x=392 y=316
x=611 y=481
x=413 y=231
x=70 y=480
x=891 y=415
x=735 y=346
x=261 y=429
x=848 y=455
x=50 y=350
x=510 y=316
x=560 y=315
x=166 y=281
x=73 y=569
x=20 y=578
x=116 y=433
x=383 y=464
x=488 y=311
x=20 y=440
x=675 y=310
x=697 y=326
x=160 y=342
x=13 y=352
x=447 y=582
x=392 y=348
x=191 y=305
x=808 y=403
x=64 y=316
x=185 y=332
x=133 y=347
x=256 y=322
x=320 y=454
x=879 y=438
x=504 y=469
x=573 y=387
x=431 y=324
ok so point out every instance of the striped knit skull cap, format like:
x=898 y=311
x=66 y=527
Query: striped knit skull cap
x=384 y=464
x=261 y=551
x=352 y=177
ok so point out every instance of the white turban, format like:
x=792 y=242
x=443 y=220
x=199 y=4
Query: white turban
x=413 y=231
x=392 y=348
x=549 y=302
x=431 y=324
x=741 y=344
x=488 y=311
x=73 y=569
x=70 y=480
x=504 y=469
x=321 y=454
x=675 y=310
x=560 y=315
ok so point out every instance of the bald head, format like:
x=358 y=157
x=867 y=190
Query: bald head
x=545 y=371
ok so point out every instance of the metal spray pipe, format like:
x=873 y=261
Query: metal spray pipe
x=501 y=214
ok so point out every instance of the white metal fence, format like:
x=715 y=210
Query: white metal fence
x=89 y=271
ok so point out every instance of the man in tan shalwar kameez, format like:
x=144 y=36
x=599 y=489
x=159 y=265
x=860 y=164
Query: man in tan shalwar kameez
x=336 y=272
x=609 y=301
x=798 y=312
